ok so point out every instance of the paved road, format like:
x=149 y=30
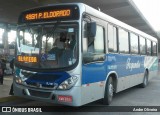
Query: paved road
x=149 y=96
x=4 y=89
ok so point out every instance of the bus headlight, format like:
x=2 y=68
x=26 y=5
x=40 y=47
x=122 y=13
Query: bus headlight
x=18 y=80
x=69 y=83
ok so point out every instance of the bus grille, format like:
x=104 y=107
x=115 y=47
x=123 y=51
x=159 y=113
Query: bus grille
x=40 y=81
x=34 y=85
x=39 y=94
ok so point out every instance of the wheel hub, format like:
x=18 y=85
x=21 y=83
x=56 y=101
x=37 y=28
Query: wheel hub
x=110 y=89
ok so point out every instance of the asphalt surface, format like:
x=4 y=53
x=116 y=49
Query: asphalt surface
x=5 y=88
x=135 y=96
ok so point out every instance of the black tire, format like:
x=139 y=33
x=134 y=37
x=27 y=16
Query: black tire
x=145 y=80
x=108 y=95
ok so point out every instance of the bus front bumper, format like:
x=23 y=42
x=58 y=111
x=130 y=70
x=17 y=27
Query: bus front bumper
x=70 y=97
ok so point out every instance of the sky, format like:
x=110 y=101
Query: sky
x=151 y=11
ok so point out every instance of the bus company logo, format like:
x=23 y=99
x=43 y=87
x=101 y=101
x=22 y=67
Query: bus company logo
x=38 y=85
x=132 y=66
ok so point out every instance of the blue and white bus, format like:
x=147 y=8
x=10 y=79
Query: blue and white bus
x=73 y=54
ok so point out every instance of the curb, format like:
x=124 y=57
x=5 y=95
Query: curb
x=9 y=98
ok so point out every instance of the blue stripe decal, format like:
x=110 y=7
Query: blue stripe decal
x=123 y=65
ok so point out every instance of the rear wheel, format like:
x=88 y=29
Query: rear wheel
x=145 y=80
x=108 y=95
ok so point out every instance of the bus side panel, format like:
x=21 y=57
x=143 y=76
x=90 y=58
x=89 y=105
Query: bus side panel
x=129 y=68
x=133 y=74
x=93 y=76
x=122 y=64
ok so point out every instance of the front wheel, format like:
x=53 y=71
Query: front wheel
x=108 y=95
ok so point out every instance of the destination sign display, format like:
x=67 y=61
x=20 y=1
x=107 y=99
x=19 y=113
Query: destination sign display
x=30 y=59
x=50 y=13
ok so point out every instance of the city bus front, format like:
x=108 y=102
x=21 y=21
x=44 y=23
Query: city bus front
x=47 y=61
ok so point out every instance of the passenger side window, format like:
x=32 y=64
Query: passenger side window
x=134 y=43
x=112 y=38
x=123 y=41
x=148 y=47
x=142 y=46
x=154 y=49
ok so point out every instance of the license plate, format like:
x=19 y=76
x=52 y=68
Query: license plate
x=63 y=98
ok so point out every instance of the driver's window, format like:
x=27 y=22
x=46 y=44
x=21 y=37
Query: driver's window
x=85 y=40
x=99 y=40
x=93 y=48
x=93 y=45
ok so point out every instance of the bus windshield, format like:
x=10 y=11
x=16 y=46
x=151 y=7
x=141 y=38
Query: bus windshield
x=47 y=46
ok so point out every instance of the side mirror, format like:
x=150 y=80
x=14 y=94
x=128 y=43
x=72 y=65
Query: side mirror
x=91 y=29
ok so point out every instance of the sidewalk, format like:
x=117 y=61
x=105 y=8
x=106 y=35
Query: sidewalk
x=5 y=98
x=5 y=88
